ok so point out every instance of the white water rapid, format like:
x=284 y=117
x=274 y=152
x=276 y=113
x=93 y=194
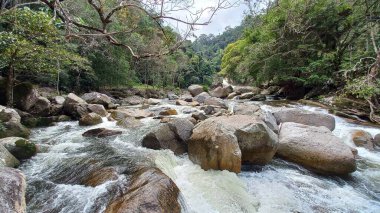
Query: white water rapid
x=53 y=176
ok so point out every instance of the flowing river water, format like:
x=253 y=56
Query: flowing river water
x=54 y=185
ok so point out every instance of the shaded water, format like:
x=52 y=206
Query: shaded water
x=55 y=178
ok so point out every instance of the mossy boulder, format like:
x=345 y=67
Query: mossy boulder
x=19 y=147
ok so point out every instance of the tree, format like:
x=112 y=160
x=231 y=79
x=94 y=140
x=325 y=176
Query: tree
x=97 y=17
x=30 y=42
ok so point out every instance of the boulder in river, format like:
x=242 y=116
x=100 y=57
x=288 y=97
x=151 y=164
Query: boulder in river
x=182 y=127
x=101 y=133
x=195 y=89
x=168 y=111
x=133 y=100
x=150 y=190
x=98 y=109
x=123 y=113
x=258 y=143
x=220 y=92
x=97 y=98
x=246 y=89
x=201 y=98
x=12 y=191
x=10 y=124
x=129 y=122
x=315 y=148
x=247 y=95
x=90 y=119
x=24 y=96
x=245 y=109
x=19 y=147
x=362 y=138
x=305 y=117
x=98 y=177
x=41 y=107
x=215 y=102
x=215 y=146
x=163 y=137
x=7 y=159
x=376 y=140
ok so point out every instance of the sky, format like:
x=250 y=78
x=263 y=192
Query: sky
x=223 y=18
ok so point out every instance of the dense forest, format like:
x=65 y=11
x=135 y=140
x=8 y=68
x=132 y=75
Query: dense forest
x=308 y=48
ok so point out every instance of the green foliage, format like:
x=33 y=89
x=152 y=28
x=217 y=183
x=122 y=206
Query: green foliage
x=30 y=43
x=361 y=89
x=300 y=39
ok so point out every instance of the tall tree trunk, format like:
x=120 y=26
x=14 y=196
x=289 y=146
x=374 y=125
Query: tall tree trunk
x=9 y=86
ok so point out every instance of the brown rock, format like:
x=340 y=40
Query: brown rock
x=150 y=190
x=305 y=117
x=214 y=146
x=362 y=139
x=215 y=102
x=98 y=109
x=169 y=111
x=129 y=122
x=100 y=133
x=90 y=119
x=195 y=89
x=315 y=148
x=163 y=137
x=101 y=176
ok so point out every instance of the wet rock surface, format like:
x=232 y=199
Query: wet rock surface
x=12 y=191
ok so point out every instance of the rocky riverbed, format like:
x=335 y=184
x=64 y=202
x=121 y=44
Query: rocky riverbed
x=195 y=153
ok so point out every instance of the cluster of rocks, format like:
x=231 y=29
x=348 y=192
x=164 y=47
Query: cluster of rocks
x=249 y=135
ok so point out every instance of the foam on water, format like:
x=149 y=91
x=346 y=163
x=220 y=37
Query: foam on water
x=206 y=191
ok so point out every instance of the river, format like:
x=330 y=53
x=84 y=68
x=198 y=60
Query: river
x=54 y=177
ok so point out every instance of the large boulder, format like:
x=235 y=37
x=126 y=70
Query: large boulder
x=41 y=107
x=247 y=95
x=129 y=122
x=12 y=191
x=122 y=113
x=98 y=109
x=195 y=89
x=163 y=137
x=245 y=109
x=9 y=114
x=258 y=143
x=90 y=119
x=7 y=159
x=201 y=98
x=182 y=127
x=97 y=98
x=376 y=140
x=315 y=148
x=246 y=89
x=150 y=190
x=24 y=96
x=213 y=101
x=305 y=117
x=101 y=133
x=220 y=92
x=10 y=124
x=133 y=100
x=75 y=106
x=362 y=138
x=19 y=147
x=13 y=129
x=215 y=146
x=58 y=100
